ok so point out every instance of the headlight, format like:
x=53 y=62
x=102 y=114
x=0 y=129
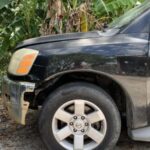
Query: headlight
x=22 y=61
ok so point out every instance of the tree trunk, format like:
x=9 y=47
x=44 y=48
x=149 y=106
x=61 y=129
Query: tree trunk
x=53 y=21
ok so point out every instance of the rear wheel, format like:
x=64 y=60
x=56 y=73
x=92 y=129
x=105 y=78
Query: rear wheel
x=79 y=116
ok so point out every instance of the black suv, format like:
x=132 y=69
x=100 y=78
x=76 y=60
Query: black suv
x=86 y=83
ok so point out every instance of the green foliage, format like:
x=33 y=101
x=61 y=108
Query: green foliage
x=23 y=19
x=3 y=3
x=85 y=15
x=114 y=8
x=18 y=21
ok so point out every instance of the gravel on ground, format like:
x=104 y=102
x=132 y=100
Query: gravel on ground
x=18 y=137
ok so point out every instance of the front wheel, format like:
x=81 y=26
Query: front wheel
x=79 y=116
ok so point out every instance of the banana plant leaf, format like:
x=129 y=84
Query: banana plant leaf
x=3 y=3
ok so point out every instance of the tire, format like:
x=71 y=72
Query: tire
x=55 y=126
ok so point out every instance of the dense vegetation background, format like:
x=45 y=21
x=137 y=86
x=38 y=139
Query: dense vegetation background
x=22 y=19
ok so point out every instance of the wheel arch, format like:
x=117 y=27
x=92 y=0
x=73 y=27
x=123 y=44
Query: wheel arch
x=105 y=81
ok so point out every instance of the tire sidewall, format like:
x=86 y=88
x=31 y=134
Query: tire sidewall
x=86 y=92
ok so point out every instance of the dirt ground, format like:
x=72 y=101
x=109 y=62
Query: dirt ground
x=17 y=137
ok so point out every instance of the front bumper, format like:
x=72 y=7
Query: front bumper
x=13 y=98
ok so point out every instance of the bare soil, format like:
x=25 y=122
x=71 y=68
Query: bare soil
x=18 y=137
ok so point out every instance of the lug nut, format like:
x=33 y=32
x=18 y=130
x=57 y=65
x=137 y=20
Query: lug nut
x=75 y=117
x=82 y=117
x=71 y=123
x=82 y=130
x=86 y=124
x=74 y=130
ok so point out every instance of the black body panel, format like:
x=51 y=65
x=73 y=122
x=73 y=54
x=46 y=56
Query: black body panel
x=57 y=38
x=122 y=55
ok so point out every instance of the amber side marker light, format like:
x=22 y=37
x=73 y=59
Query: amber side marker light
x=22 y=61
x=25 y=64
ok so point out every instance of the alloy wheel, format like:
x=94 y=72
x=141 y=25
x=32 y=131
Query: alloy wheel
x=79 y=124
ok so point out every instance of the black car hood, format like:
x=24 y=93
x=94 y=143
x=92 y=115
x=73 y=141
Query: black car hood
x=57 y=38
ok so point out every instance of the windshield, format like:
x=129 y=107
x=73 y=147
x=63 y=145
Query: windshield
x=130 y=15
